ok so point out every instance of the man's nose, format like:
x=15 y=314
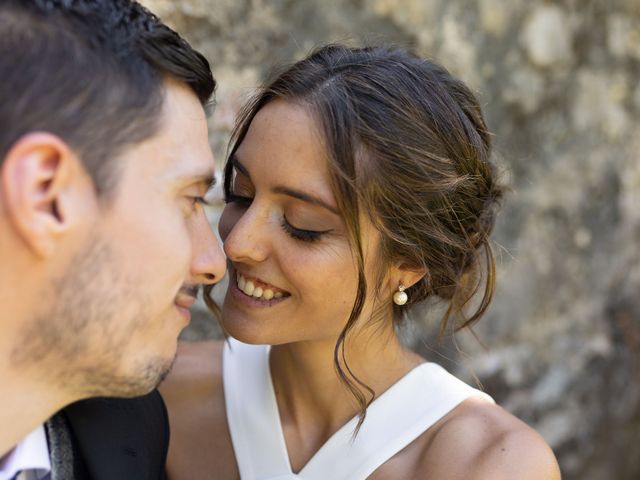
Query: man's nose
x=208 y=264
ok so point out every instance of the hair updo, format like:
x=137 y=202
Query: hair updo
x=407 y=146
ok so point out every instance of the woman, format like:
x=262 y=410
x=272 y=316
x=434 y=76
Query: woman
x=358 y=185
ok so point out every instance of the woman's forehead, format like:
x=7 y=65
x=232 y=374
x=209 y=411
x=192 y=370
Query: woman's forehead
x=283 y=141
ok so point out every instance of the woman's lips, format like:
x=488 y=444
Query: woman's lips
x=257 y=288
x=252 y=291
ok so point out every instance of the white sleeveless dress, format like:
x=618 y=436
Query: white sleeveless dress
x=394 y=419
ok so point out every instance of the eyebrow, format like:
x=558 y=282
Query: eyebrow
x=207 y=178
x=305 y=197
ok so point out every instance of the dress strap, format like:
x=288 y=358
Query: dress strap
x=396 y=418
x=252 y=413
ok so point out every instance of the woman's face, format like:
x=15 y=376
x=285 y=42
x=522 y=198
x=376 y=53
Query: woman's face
x=292 y=273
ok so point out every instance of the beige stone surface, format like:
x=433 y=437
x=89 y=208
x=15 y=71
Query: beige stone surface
x=560 y=83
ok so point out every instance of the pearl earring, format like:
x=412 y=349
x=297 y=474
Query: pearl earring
x=400 y=297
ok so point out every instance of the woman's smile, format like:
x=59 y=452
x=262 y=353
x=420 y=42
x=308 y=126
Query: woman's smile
x=254 y=292
x=284 y=240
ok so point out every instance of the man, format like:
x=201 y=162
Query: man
x=104 y=163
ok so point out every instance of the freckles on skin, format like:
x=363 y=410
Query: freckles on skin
x=281 y=153
x=284 y=147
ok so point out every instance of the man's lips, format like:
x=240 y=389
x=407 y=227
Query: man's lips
x=185 y=301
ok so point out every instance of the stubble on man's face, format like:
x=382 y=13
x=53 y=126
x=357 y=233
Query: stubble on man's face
x=79 y=337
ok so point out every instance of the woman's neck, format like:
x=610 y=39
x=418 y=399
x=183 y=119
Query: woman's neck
x=313 y=402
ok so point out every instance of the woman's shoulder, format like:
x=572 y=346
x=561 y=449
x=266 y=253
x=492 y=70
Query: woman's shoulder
x=480 y=440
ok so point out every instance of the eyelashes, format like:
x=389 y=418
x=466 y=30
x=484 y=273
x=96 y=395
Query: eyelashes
x=201 y=201
x=299 y=234
x=237 y=199
x=191 y=204
x=302 y=235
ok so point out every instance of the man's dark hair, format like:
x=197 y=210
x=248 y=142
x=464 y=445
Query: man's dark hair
x=91 y=72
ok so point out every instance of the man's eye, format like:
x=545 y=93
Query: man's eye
x=191 y=204
x=201 y=200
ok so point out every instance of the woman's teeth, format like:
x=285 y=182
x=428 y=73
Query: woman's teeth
x=250 y=289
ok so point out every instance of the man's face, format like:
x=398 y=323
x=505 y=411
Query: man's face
x=119 y=306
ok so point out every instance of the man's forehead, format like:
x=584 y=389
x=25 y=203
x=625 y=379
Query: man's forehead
x=183 y=141
x=181 y=109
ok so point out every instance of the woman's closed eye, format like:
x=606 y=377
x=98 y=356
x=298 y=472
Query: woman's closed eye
x=302 y=234
x=238 y=199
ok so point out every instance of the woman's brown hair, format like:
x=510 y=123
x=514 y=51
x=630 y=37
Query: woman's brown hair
x=407 y=146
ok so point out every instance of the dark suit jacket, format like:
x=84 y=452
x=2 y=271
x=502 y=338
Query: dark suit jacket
x=110 y=439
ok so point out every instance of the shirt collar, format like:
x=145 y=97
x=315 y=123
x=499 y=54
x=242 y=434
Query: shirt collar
x=32 y=453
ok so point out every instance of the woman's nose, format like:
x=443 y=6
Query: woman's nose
x=244 y=234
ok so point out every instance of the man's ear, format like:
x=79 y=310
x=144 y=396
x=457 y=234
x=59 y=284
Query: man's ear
x=36 y=183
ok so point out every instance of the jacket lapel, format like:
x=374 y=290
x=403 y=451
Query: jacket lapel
x=108 y=438
x=61 y=451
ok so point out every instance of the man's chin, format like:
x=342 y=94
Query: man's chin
x=140 y=382
x=154 y=373
x=167 y=370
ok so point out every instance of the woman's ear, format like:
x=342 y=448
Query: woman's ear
x=39 y=175
x=405 y=275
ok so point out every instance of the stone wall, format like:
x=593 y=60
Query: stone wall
x=560 y=83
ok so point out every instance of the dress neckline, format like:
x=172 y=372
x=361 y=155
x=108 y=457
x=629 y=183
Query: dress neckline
x=394 y=419
x=340 y=437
